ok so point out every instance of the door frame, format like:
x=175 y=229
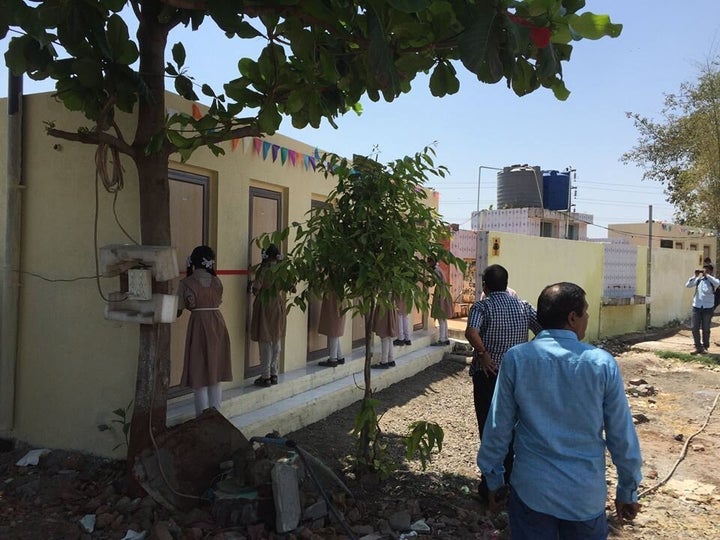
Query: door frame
x=257 y=192
x=204 y=182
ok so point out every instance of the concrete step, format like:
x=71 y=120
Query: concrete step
x=313 y=392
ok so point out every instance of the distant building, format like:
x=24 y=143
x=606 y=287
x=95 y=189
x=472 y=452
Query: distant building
x=534 y=222
x=668 y=235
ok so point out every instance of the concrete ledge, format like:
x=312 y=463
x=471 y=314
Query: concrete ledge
x=312 y=392
x=300 y=410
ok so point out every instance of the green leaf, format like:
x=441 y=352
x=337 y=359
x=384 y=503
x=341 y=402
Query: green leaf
x=178 y=54
x=155 y=144
x=184 y=87
x=558 y=88
x=122 y=49
x=245 y=30
x=269 y=119
x=547 y=65
x=295 y=102
x=380 y=58
x=592 y=26
x=69 y=93
x=89 y=72
x=248 y=68
x=270 y=61
x=443 y=80
x=178 y=140
x=473 y=42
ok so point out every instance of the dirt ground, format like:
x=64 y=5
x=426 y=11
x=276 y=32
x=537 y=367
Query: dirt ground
x=672 y=400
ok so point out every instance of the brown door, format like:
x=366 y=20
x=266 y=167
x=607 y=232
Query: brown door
x=188 y=229
x=265 y=217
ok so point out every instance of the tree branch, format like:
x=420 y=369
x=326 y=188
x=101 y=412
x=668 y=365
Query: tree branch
x=93 y=137
x=237 y=133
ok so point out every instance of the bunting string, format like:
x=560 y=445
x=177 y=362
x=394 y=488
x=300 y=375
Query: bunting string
x=265 y=148
x=286 y=155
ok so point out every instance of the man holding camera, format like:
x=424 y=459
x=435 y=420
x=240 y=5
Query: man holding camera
x=703 y=305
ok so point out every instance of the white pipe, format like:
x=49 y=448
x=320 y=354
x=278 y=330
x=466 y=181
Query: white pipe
x=9 y=291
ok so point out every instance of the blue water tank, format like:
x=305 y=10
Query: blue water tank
x=556 y=190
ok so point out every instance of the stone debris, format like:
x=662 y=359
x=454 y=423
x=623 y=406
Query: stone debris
x=32 y=457
x=641 y=390
x=87 y=523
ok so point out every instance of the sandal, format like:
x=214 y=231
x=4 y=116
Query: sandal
x=262 y=382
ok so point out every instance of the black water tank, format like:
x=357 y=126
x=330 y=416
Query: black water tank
x=520 y=186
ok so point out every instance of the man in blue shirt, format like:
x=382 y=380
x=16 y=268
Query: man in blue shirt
x=565 y=401
x=703 y=305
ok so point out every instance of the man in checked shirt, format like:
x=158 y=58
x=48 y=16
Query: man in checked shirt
x=495 y=324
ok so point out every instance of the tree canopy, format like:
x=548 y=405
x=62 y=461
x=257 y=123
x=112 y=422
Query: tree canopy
x=320 y=56
x=682 y=150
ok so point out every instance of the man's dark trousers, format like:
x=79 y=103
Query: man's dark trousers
x=483 y=388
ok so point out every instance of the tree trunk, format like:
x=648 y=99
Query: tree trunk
x=153 y=373
x=364 y=438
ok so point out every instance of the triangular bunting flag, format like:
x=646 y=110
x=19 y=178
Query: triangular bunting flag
x=257 y=143
x=196 y=114
x=247 y=144
x=306 y=161
x=275 y=149
x=266 y=148
x=235 y=143
x=293 y=156
x=283 y=155
x=316 y=153
x=312 y=162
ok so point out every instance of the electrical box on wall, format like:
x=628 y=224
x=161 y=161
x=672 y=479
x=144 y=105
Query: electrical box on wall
x=138 y=268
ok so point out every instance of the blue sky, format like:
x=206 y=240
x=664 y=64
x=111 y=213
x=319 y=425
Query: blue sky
x=663 y=44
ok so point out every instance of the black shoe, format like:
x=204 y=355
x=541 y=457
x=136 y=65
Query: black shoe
x=381 y=365
x=273 y=379
x=483 y=491
x=399 y=342
x=391 y=363
x=438 y=344
x=341 y=361
x=446 y=342
x=328 y=363
x=262 y=382
x=408 y=342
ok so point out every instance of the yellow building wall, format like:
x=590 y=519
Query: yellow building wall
x=73 y=366
x=671 y=300
x=534 y=262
